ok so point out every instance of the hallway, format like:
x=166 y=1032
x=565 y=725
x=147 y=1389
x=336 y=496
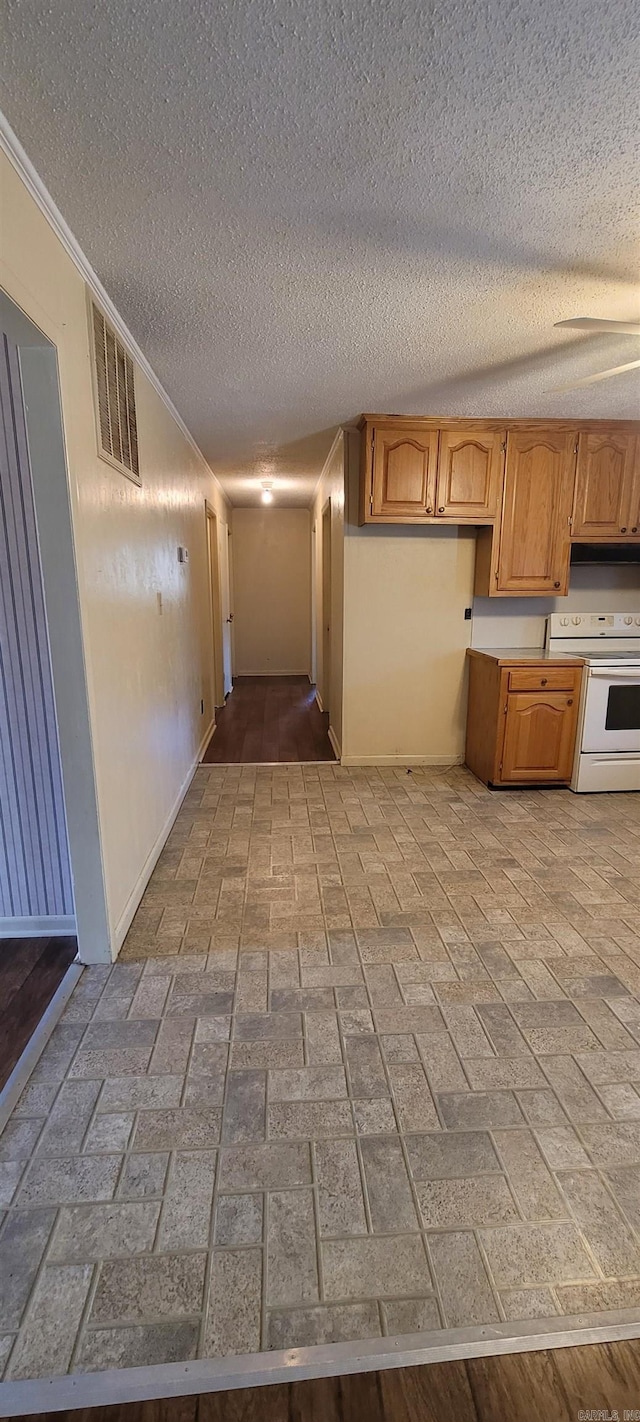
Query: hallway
x=268 y=719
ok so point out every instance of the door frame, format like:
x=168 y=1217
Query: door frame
x=52 y=499
x=326 y=580
x=215 y=605
x=313 y=674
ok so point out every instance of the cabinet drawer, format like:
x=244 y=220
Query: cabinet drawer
x=544 y=678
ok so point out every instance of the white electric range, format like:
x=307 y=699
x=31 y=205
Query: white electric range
x=608 y=740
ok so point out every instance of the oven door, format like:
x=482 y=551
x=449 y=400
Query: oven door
x=612 y=710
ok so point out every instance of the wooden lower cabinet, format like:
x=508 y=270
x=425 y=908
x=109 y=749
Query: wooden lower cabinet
x=539 y=736
x=521 y=720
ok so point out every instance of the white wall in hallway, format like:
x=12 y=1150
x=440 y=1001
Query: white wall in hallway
x=147 y=672
x=271 y=590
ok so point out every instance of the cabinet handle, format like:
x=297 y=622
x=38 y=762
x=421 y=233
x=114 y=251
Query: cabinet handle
x=623 y=530
x=570 y=701
x=634 y=530
x=556 y=585
x=429 y=510
x=543 y=680
x=441 y=509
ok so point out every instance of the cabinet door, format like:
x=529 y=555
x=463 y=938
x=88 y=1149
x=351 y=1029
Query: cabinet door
x=604 y=481
x=534 y=546
x=539 y=736
x=404 y=473
x=469 y=473
x=632 y=514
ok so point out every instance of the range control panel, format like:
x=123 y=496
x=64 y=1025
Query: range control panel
x=594 y=624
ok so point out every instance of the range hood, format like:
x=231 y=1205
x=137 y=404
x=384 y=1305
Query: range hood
x=605 y=553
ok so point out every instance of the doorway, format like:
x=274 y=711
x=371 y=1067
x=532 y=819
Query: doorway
x=272 y=716
x=51 y=873
x=217 y=668
x=224 y=546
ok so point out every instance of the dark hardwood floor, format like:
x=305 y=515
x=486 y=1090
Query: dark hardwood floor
x=31 y=969
x=518 y=1387
x=269 y=718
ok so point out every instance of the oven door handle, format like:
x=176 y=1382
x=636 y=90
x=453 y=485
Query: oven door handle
x=611 y=674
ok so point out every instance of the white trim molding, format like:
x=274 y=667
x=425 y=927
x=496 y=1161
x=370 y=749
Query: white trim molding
x=339 y=434
x=12 y=147
x=55 y=927
x=336 y=744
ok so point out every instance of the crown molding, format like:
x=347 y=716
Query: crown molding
x=337 y=438
x=12 y=147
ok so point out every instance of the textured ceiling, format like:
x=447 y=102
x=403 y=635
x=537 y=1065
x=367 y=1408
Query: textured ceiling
x=304 y=211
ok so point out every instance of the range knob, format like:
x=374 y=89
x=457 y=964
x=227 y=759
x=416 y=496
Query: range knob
x=576 y=621
x=637 y=621
x=628 y=621
x=564 y=621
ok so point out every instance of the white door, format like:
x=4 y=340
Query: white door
x=227 y=614
x=612 y=710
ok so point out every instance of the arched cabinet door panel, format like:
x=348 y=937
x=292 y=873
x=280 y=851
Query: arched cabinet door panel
x=404 y=463
x=605 y=506
x=470 y=473
x=539 y=736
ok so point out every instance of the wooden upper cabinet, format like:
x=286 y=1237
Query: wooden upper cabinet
x=539 y=736
x=403 y=480
x=633 y=508
x=534 y=544
x=469 y=474
x=605 y=506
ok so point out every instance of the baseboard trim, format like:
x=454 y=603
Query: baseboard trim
x=335 y=743
x=54 y=927
x=402 y=759
x=15 y=1084
x=319 y=701
x=207 y=738
x=275 y=671
x=169 y=1380
x=126 y=918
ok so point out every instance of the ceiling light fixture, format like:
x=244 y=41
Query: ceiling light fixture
x=266 y=495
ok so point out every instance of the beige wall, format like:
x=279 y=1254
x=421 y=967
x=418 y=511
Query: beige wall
x=271 y=591
x=405 y=637
x=331 y=487
x=147 y=672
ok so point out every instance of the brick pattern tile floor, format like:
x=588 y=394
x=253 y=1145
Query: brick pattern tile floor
x=369 y=1063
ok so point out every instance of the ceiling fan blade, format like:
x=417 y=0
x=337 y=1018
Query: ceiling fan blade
x=601 y=375
x=591 y=323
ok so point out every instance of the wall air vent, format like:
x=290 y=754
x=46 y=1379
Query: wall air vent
x=115 y=399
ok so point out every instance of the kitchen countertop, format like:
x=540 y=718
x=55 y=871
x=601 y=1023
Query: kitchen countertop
x=516 y=656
